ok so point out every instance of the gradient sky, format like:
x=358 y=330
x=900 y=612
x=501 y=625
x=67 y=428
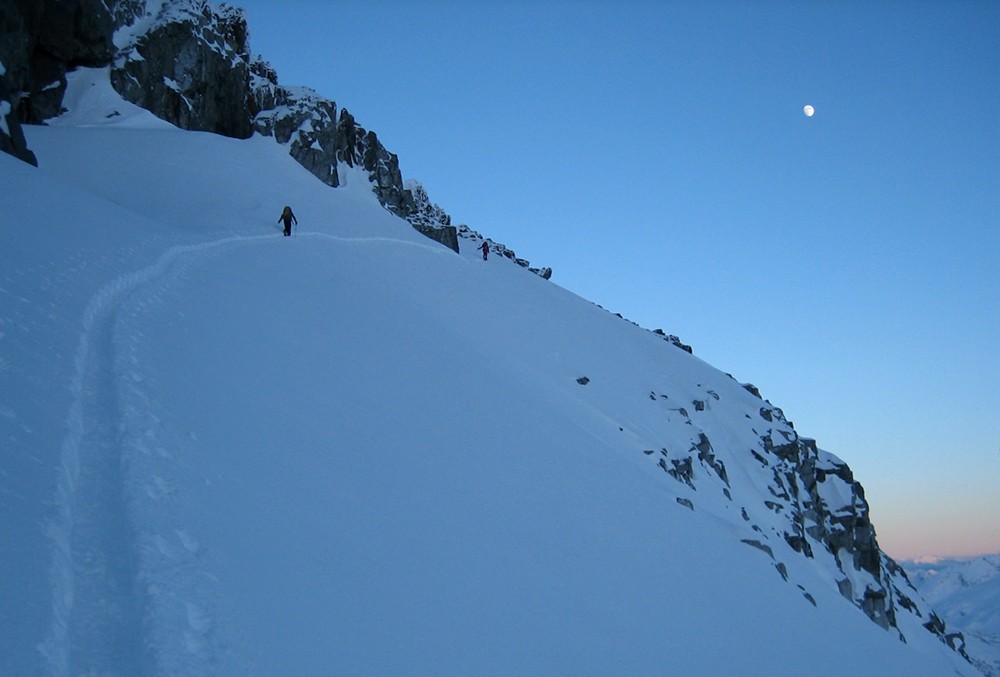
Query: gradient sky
x=656 y=156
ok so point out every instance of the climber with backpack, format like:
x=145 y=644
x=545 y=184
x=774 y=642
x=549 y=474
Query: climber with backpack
x=287 y=216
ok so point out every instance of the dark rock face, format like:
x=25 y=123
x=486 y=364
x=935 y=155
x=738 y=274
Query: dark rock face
x=192 y=69
x=429 y=218
x=828 y=519
x=956 y=640
x=358 y=147
x=810 y=502
x=40 y=40
x=300 y=118
x=320 y=139
x=446 y=236
x=20 y=21
x=12 y=139
x=670 y=338
x=60 y=36
x=125 y=12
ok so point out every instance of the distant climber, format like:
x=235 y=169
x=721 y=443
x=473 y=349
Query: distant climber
x=485 y=246
x=287 y=216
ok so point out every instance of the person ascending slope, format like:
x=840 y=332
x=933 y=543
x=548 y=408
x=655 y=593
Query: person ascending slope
x=485 y=246
x=287 y=216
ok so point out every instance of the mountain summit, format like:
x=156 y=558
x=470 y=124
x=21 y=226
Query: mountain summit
x=359 y=449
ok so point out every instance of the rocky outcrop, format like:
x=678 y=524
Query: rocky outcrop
x=359 y=147
x=673 y=340
x=429 y=218
x=796 y=501
x=191 y=68
x=477 y=240
x=300 y=119
x=827 y=516
x=40 y=40
x=321 y=139
x=189 y=63
x=828 y=520
x=12 y=139
x=826 y=507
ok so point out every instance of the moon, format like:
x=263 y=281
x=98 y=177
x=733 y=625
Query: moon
x=808 y=110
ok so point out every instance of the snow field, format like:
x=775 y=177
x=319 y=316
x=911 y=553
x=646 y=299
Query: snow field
x=365 y=506
x=229 y=452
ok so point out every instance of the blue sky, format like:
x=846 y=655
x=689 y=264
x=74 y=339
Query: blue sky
x=656 y=155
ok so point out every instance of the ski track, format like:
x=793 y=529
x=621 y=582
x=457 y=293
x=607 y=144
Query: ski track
x=114 y=611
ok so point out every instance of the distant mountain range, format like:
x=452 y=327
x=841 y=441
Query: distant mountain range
x=966 y=593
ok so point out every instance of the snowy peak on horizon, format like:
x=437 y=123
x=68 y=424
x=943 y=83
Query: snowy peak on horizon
x=966 y=593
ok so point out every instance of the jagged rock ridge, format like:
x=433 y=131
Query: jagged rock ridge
x=812 y=503
x=189 y=62
x=191 y=66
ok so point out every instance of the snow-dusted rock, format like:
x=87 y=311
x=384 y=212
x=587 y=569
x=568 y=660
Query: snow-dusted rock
x=429 y=218
x=189 y=63
x=477 y=239
x=39 y=41
x=826 y=518
x=301 y=119
x=191 y=67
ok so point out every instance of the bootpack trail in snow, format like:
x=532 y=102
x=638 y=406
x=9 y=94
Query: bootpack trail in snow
x=102 y=623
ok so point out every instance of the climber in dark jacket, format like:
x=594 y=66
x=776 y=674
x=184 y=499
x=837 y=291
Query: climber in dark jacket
x=287 y=216
x=485 y=246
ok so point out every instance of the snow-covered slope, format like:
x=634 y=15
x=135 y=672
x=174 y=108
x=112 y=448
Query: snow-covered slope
x=966 y=593
x=355 y=451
